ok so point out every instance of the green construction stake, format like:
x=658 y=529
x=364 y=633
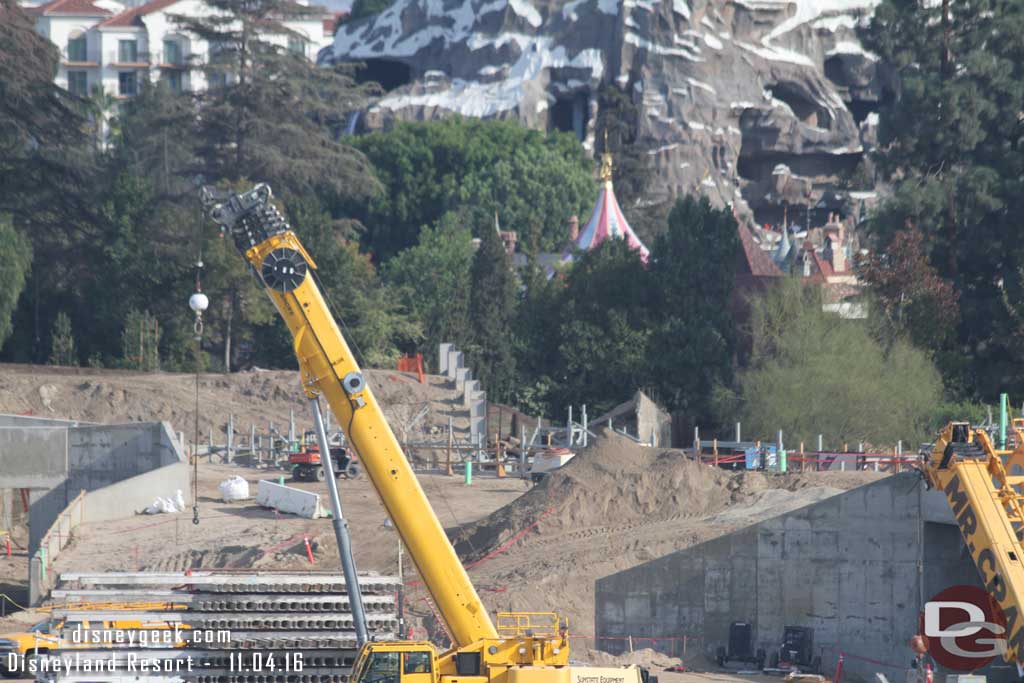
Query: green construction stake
x=1004 y=410
x=469 y=472
x=280 y=480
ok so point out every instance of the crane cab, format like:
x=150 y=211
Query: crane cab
x=395 y=662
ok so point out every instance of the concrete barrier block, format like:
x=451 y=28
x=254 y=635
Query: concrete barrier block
x=462 y=375
x=470 y=389
x=288 y=499
x=478 y=408
x=455 y=361
x=442 y=358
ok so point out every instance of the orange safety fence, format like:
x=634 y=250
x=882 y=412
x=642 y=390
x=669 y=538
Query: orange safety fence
x=412 y=364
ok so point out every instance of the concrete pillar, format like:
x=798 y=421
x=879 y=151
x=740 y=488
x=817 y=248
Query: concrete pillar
x=442 y=358
x=455 y=361
x=470 y=390
x=462 y=376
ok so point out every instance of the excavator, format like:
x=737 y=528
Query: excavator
x=985 y=495
x=524 y=647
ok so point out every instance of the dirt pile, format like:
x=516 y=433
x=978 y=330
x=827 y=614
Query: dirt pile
x=614 y=506
x=617 y=483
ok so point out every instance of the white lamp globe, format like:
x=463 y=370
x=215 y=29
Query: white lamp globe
x=198 y=302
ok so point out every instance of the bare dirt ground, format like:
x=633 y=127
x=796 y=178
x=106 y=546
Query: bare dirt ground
x=535 y=548
x=256 y=397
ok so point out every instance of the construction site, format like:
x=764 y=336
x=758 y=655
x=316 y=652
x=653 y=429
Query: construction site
x=176 y=527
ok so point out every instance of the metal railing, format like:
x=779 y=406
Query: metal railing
x=540 y=624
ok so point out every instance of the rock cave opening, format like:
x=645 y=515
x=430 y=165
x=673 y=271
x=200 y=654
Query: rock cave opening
x=818 y=170
x=860 y=109
x=390 y=74
x=806 y=109
x=571 y=114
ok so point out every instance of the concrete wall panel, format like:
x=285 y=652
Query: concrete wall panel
x=33 y=457
x=846 y=567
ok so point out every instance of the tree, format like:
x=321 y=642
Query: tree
x=604 y=324
x=432 y=279
x=534 y=182
x=693 y=342
x=812 y=373
x=13 y=270
x=492 y=303
x=271 y=114
x=62 y=342
x=910 y=291
x=140 y=341
x=950 y=142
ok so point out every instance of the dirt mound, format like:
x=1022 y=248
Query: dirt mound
x=616 y=482
x=616 y=505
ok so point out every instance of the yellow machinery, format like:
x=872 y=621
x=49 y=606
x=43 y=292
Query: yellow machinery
x=988 y=503
x=527 y=647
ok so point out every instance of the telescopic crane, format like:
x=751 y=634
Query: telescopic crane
x=525 y=647
x=989 y=508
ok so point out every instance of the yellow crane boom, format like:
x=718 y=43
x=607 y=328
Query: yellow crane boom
x=989 y=509
x=328 y=368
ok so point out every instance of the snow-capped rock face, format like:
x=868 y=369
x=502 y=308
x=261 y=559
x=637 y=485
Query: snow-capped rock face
x=728 y=89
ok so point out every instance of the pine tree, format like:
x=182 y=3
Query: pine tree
x=13 y=271
x=62 y=342
x=492 y=307
x=692 y=346
x=271 y=114
x=950 y=142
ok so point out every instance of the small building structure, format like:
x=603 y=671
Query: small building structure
x=640 y=418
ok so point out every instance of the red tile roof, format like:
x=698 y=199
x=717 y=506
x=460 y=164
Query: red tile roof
x=81 y=8
x=332 y=21
x=759 y=262
x=131 y=16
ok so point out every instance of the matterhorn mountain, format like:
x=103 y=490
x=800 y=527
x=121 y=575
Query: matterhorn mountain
x=757 y=104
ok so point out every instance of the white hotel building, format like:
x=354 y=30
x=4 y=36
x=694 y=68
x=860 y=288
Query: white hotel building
x=115 y=45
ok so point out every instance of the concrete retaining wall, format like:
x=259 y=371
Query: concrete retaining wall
x=857 y=568
x=123 y=468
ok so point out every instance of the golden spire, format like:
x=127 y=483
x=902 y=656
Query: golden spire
x=606 y=161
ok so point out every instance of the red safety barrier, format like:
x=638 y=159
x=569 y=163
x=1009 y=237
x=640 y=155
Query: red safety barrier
x=412 y=364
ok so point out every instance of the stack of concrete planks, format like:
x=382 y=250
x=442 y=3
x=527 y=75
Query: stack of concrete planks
x=231 y=627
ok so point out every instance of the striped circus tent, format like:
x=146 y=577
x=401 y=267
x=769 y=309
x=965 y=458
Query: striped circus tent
x=607 y=220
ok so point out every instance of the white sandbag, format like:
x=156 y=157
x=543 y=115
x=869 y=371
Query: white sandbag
x=166 y=505
x=161 y=505
x=234 y=488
